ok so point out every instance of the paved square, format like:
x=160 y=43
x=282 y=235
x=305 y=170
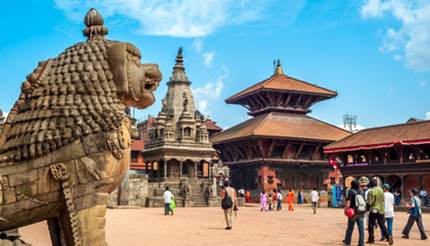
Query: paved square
x=205 y=226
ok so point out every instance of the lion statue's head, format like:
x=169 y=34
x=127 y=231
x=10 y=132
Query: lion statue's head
x=84 y=90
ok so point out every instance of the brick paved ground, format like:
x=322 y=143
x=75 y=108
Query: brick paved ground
x=205 y=226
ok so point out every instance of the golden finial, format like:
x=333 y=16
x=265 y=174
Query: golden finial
x=278 y=69
x=94 y=22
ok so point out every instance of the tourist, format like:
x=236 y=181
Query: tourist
x=364 y=181
x=424 y=197
x=168 y=197
x=389 y=209
x=300 y=197
x=314 y=199
x=375 y=200
x=241 y=192
x=248 y=196
x=275 y=199
x=290 y=200
x=357 y=218
x=228 y=203
x=263 y=201
x=269 y=201
x=415 y=215
x=280 y=197
x=398 y=197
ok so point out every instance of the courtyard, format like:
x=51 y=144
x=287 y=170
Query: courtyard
x=205 y=226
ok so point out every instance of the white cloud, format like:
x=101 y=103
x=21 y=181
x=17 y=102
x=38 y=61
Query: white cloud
x=208 y=58
x=179 y=18
x=210 y=92
x=428 y=116
x=411 y=40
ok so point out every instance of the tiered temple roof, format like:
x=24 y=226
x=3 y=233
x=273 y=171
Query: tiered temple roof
x=282 y=125
x=280 y=93
x=280 y=104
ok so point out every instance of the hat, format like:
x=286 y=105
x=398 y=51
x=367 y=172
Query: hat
x=386 y=186
x=363 y=180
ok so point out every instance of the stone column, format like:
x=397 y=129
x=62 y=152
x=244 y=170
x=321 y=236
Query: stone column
x=165 y=168
x=195 y=169
x=210 y=170
x=180 y=169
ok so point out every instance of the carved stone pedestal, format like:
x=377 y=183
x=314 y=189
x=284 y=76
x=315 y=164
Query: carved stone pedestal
x=188 y=202
x=213 y=202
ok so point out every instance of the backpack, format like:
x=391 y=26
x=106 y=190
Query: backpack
x=360 y=204
x=415 y=211
x=226 y=202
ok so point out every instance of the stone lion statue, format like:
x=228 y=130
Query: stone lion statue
x=65 y=143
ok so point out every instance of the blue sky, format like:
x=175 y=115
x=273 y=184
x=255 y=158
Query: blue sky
x=374 y=53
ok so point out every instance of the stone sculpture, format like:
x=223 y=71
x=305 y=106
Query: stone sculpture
x=66 y=143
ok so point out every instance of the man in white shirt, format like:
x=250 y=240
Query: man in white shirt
x=168 y=196
x=388 y=208
x=279 y=200
x=314 y=199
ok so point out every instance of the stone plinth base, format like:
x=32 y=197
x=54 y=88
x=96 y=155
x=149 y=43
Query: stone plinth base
x=188 y=202
x=214 y=202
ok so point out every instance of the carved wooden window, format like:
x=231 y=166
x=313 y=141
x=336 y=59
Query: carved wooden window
x=187 y=132
x=349 y=159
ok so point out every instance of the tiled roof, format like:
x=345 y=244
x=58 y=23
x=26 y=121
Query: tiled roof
x=283 y=83
x=282 y=125
x=383 y=137
x=137 y=145
x=211 y=125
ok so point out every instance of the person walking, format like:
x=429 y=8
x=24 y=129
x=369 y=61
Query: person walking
x=263 y=201
x=358 y=217
x=275 y=199
x=280 y=197
x=424 y=197
x=389 y=209
x=168 y=197
x=269 y=201
x=397 y=197
x=314 y=199
x=415 y=215
x=364 y=182
x=300 y=197
x=375 y=200
x=228 y=203
x=290 y=200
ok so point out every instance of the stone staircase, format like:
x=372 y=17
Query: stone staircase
x=156 y=190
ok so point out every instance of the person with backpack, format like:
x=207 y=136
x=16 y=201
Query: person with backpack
x=228 y=203
x=376 y=202
x=415 y=215
x=355 y=207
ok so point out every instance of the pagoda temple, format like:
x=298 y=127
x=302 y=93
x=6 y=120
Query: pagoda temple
x=280 y=146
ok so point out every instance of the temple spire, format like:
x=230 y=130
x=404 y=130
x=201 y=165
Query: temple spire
x=94 y=25
x=278 y=69
x=179 y=68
